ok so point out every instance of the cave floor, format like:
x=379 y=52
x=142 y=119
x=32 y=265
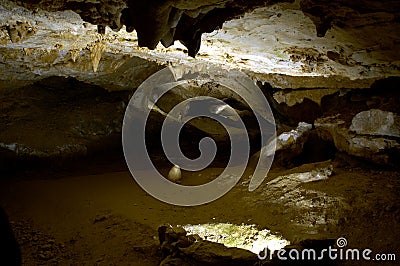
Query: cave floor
x=101 y=216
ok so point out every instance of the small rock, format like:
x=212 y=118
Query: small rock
x=175 y=174
x=171 y=261
x=46 y=247
x=101 y=218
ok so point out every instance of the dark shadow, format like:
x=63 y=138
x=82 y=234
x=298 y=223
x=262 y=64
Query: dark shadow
x=10 y=253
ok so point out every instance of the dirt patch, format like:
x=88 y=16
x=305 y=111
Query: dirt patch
x=105 y=218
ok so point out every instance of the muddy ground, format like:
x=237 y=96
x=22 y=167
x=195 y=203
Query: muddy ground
x=96 y=214
x=73 y=211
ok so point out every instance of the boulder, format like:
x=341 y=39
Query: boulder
x=286 y=146
x=377 y=123
x=210 y=253
x=377 y=149
x=178 y=248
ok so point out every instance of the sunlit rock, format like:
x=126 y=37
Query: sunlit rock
x=242 y=236
x=177 y=245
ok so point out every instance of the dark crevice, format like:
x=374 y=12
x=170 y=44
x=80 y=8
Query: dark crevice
x=315 y=150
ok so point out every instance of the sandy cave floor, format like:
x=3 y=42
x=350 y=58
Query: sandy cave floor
x=100 y=216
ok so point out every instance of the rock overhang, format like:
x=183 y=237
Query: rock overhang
x=272 y=41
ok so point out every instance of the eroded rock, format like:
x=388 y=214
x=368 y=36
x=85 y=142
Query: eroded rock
x=282 y=49
x=20 y=30
x=187 y=20
x=59 y=119
x=229 y=108
x=209 y=253
x=294 y=97
x=287 y=145
x=376 y=149
x=377 y=123
x=177 y=246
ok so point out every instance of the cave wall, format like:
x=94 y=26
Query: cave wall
x=300 y=53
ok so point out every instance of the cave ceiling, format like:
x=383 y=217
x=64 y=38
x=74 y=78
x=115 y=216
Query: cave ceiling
x=273 y=41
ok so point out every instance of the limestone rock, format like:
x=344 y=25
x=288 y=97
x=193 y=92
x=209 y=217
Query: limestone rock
x=67 y=45
x=210 y=253
x=287 y=145
x=313 y=209
x=293 y=137
x=57 y=120
x=20 y=30
x=376 y=149
x=376 y=122
x=292 y=98
x=177 y=247
x=175 y=174
x=186 y=21
x=209 y=127
x=321 y=171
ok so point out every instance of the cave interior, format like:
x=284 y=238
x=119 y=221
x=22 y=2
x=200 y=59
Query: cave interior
x=308 y=90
